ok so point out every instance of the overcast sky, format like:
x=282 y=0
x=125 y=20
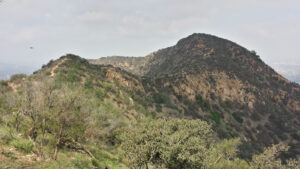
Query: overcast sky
x=97 y=28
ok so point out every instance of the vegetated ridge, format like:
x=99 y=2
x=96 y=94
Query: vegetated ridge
x=75 y=110
x=215 y=79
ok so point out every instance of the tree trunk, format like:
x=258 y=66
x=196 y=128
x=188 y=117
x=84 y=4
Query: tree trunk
x=57 y=144
x=17 y=122
x=43 y=132
x=55 y=152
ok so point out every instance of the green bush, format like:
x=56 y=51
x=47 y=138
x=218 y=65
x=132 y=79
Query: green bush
x=107 y=85
x=3 y=83
x=216 y=117
x=237 y=117
x=23 y=145
x=140 y=100
x=176 y=143
x=256 y=56
x=159 y=98
x=88 y=84
x=255 y=116
x=6 y=135
x=73 y=76
x=9 y=155
x=96 y=163
x=158 y=108
x=226 y=104
x=204 y=104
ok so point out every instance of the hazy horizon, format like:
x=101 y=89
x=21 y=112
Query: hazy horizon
x=34 y=32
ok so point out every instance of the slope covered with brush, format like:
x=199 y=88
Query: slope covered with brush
x=211 y=78
x=204 y=103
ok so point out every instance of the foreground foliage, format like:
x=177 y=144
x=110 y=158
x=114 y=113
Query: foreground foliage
x=179 y=143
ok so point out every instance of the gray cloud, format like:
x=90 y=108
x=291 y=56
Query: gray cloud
x=95 y=28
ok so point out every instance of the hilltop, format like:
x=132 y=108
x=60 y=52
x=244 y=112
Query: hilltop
x=77 y=111
x=210 y=77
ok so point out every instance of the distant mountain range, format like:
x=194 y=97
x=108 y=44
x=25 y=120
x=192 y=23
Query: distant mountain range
x=6 y=70
x=291 y=72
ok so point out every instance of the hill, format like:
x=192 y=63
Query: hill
x=78 y=113
x=212 y=78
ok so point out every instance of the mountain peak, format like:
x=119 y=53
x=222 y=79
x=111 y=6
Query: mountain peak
x=202 y=77
x=229 y=82
x=201 y=38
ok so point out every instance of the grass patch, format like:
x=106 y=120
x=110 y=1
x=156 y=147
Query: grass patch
x=107 y=85
x=104 y=158
x=216 y=117
x=23 y=145
x=6 y=135
x=10 y=155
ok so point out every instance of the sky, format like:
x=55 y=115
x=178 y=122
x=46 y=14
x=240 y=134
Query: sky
x=32 y=32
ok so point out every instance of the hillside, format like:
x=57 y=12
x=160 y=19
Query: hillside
x=87 y=101
x=169 y=109
x=212 y=78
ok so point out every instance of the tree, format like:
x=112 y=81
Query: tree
x=67 y=120
x=41 y=108
x=269 y=159
x=177 y=143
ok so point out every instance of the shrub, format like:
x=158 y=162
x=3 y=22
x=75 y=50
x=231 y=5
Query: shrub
x=176 y=143
x=6 y=136
x=159 y=98
x=140 y=100
x=73 y=76
x=216 y=117
x=107 y=85
x=256 y=56
x=158 y=108
x=88 y=84
x=9 y=155
x=23 y=145
x=204 y=104
x=100 y=94
x=255 y=116
x=96 y=163
x=3 y=83
x=237 y=117
x=17 y=77
x=226 y=104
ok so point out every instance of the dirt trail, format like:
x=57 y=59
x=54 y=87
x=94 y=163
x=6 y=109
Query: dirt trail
x=56 y=66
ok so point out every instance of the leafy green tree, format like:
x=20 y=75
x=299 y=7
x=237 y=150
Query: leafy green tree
x=42 y=108
x=269 y=159
x=178 y=143
x=68 y=119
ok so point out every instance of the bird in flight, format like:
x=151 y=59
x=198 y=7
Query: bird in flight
x=31 y=47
